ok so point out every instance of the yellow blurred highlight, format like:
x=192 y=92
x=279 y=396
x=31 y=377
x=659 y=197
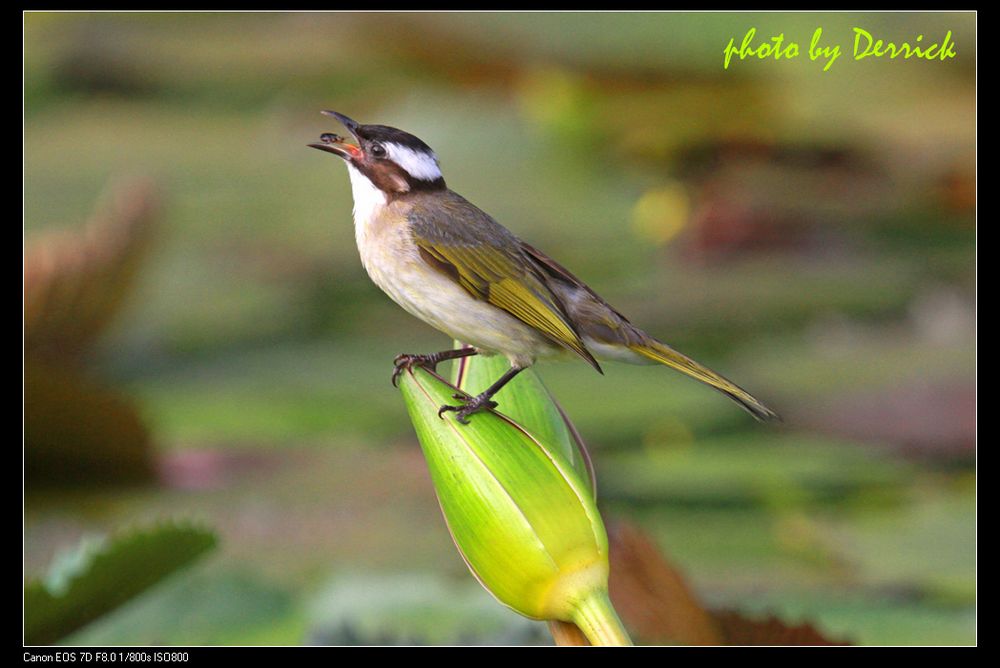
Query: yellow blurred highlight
x=557 y=100
x=668 y=435
x=802 y=537
x=795 y=532
x=661 y=213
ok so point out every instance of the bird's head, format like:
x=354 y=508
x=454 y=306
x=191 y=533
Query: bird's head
x=394 y=161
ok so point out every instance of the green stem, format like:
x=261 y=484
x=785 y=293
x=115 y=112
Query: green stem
x=598 y=620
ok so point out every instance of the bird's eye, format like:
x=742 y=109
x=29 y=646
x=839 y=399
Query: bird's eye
x=378 y=150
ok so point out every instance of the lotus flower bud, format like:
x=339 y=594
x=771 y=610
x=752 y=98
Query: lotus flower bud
x=523 y=518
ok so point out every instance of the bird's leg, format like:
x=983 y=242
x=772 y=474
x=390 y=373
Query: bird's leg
x=483 y=400
x=405 y=361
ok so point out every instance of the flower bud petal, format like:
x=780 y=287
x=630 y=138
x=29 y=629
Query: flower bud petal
x=522 y=517
x=527 y=401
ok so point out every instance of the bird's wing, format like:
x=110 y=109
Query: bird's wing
x=597 y=318
x=466 y=245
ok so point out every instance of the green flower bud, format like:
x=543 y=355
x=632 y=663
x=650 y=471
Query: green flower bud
x=528 y=402
x=523 y=518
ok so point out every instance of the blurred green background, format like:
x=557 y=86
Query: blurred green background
x=809 y=234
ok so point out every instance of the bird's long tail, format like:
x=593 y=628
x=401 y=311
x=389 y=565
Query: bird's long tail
x=664 y=354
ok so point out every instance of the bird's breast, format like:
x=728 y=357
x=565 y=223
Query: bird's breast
x=392 y=260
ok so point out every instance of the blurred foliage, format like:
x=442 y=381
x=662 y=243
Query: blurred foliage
x=75 y=283
x=414 y=609
x=811 y=235
x=103 y=574
x=202 y=607
x=77 y=431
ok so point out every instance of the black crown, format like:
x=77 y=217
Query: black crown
x=386 y=134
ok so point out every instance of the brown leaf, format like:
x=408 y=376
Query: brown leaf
x=738 y=629
x=652 y=598
x=658 y=606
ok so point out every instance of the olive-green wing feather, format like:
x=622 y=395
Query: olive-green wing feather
x=462 y=242
x=600 y=321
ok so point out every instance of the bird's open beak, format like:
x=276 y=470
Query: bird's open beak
x=336 y=144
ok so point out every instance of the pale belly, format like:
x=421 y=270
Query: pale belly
x=393 y=263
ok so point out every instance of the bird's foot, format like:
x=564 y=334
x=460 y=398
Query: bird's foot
x=470 y=405
x=407 y=361
x=429 y=362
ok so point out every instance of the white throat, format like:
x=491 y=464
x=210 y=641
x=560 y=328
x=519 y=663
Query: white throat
x=368 y=203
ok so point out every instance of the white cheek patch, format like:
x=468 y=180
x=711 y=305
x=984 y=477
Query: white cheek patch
x=419 y=165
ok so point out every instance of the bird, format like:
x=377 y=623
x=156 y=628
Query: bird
x=450 y=264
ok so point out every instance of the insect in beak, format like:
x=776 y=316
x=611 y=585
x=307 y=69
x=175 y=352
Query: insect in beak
x=334 y=143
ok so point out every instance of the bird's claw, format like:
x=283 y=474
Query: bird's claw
x=406 y=361
x=469 y=406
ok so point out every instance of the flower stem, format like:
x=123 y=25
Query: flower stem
x=598 y=620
